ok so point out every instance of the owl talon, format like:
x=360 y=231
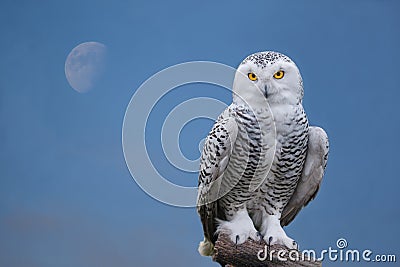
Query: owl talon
x=295 y=245
x=260 y=236
x=240 y=228
x=274 y=233
x=269 y=244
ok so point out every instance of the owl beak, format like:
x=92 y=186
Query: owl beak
x=266 y=91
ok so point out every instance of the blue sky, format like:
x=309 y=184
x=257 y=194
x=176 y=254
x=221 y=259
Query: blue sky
x=66 y=195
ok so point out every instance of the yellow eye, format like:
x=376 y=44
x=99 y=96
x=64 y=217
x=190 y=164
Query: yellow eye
x=252 y=76
x=279 y=74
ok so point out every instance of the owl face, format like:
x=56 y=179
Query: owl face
x=271 y=76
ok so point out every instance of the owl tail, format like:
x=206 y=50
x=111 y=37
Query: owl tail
x=206 y=248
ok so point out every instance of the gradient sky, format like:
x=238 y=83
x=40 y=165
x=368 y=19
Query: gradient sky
x=66 y=195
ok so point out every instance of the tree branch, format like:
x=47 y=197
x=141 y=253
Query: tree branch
x=229 y=254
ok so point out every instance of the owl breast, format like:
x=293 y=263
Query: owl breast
x=269 y=153
x=292 y=137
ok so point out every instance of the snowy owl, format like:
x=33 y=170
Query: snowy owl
x=261 y=163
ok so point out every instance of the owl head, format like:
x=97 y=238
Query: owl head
x=267 y=76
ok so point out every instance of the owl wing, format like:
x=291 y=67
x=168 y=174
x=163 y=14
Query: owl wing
x=313 y=171
x=214 y=160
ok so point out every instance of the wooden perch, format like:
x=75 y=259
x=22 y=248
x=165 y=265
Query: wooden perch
x=248 y=253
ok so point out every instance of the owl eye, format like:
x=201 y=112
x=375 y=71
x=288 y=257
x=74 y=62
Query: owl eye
x=252 y=76
x=279 y=74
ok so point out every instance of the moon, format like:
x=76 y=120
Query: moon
x=84 y=65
